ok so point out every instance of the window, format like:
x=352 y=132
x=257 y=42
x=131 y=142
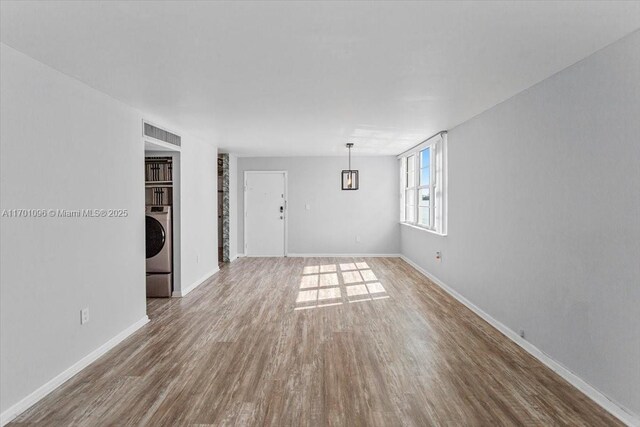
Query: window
x=423 y=178
x=410 y=197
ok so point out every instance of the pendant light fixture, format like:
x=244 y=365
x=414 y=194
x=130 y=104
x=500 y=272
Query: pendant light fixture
x=350 y=177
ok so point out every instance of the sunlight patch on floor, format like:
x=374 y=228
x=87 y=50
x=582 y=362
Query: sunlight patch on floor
x=329 y=285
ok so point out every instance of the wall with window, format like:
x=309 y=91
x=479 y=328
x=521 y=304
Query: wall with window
x=544 y=218
x=323 y=219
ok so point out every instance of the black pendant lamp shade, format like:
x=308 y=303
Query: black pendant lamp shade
x=350 y=177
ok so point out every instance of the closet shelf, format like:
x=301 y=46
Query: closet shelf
x=158 y=184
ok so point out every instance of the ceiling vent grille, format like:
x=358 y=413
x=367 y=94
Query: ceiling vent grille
x=162 y=135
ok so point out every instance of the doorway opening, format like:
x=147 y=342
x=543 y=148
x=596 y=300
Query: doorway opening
x=162 y=207
x=159 y=225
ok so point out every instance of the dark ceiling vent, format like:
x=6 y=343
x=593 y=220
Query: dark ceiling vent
x=160 y=134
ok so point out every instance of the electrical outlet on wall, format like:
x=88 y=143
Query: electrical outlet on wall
x=307 y=206
x=521 y=333
x=438 y=256
x=358 y=239
x=84 y=316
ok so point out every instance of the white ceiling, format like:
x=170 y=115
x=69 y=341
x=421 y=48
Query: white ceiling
x=305 y=78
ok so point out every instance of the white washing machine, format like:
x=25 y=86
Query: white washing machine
x=159 y=248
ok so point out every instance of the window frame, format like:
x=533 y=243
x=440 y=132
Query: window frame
x=409 y=187
x=437 y=184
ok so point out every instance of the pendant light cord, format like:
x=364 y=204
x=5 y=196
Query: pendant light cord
x=349 y=145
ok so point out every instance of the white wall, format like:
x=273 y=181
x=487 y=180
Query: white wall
x=544 y=218
x=65 y=145
x=195 y=203
x=336 y=217
x=199 y=218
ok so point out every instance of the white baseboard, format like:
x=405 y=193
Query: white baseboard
x=263 y=256
x=200 y=281
x=605 y=402
x=344 y=255
x=61 y=378
x=290 y=255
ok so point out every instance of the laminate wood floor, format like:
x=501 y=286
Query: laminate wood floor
x=315 y=342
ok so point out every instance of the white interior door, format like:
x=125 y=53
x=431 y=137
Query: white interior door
x=265 y=219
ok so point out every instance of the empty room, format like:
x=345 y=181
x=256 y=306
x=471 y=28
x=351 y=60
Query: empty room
x=319 y=213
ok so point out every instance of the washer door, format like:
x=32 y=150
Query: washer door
x=156 y=236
